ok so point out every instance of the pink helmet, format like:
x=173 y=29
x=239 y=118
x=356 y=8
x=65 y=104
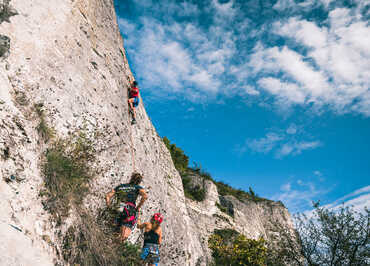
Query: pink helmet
x=158 y=217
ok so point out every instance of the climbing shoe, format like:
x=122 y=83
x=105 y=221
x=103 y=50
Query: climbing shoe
x=133 y=122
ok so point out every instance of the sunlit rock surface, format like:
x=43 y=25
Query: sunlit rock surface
x=68 y=55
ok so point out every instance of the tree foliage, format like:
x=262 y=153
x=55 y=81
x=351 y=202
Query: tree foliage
x=193 y=192
x=231 y=248
x=198 y=193
x=326 y=237
x=180 y=160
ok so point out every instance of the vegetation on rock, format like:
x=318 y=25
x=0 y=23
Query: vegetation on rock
x=95 y=242
x=66 y=174
x=197 y=192
x=194 y=192
x=179 y=158
x=225 y=209
x=43 y=129
x=326 y=237
x=89 y=241
x=6 y=11
x=231 y=248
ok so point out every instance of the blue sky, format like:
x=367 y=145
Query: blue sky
x=269 y=94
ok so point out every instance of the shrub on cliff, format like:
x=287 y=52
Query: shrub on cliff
x=94 y=242
x=196 y=192
x=66 y=174
x=181 y=162
x=179 y=158
x=326 y=237
x=231 y=248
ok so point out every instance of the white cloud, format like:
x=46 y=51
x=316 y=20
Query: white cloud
x=294 y=6
x=188 y=9
x=283 y=4
x=265 y=144
x=250 y=90
x=204 y=79
x=292 y=129
x=286 y=187
x=225 y=9
x=303 y=31
x=322 y=65
x=286 y=91
x=318 y=173
x=295 y=148
x=181 y=59
x=308 y=84
x=125 y=26
x=358 y=199
x=335 y=71
x=281 y=142
x=298 y=196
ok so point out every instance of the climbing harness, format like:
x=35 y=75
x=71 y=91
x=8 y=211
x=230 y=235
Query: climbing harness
x=128 y=216
x=129 y=211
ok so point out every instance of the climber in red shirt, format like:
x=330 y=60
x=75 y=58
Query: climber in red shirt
x=133 y=100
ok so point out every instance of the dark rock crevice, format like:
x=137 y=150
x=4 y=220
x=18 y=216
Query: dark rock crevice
x=4 y=46
x=227 y=205
x=6 y=11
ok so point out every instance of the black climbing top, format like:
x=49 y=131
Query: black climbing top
x=127 y=192
x=151 y=237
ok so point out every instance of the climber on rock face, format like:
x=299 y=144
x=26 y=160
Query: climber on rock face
x=133 y=100
x=152 y=239
x=126 y=198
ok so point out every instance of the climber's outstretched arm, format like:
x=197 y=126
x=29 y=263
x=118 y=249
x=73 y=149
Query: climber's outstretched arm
x=160 y=235
x=109 y=196
x=144 y=197
x=139 y=224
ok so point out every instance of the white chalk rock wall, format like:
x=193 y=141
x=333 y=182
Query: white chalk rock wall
x=69 y=56
x=253 y=219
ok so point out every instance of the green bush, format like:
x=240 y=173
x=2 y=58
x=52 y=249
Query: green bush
x=95 y=243
x=328 y=236
x=224 y=209
x=66 y=174
x=179 y=158
x=181 y=162
x=231 y=248
x=224 y=189
x=193 y=192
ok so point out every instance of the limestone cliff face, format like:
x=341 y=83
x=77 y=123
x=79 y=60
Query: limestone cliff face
x=252 y=218
x=68 y=56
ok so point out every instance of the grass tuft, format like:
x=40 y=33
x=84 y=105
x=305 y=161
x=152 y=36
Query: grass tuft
x=196 y=192
x=66 y=174
x=94 y=242
x=42 y=128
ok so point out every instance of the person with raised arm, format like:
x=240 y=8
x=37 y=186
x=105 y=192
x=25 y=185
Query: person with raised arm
x=152 y=239
x=126 y=203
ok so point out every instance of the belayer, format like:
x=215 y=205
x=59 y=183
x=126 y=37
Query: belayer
x=152 y=239
x=126 y=199
x=133 y=99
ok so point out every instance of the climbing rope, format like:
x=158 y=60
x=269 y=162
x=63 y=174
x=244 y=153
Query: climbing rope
x=130 y=129
x=132 y=145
